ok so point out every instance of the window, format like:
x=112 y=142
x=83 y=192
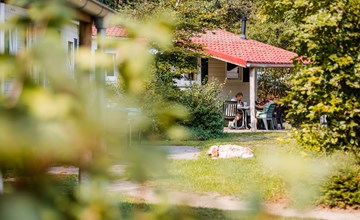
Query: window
x=111 y=70
x=71 y=58
x=11 y=42
x=232 y=71
x=204 y=69
x=246 y=75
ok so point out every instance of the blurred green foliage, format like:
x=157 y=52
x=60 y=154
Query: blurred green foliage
x=325 y=37
x=50 y=119
x=67 y=122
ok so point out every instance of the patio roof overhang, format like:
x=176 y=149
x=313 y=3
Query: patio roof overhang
x=229 y=47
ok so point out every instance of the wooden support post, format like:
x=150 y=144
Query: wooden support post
x=253 y=78
x=85 y=34
x=99 y=78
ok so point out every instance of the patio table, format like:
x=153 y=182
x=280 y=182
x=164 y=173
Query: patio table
x=244 y=109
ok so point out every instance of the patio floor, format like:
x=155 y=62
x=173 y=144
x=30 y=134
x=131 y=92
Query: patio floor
x=285 y=124
x=228 y=130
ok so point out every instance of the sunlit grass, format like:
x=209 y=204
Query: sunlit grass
x=129 y=210
x=235 y=177
x=227 y=177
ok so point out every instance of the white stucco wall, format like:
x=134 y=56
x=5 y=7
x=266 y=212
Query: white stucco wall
x=217 y=71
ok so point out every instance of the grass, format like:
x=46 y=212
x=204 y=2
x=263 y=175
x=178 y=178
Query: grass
x=296 y=176
x=231 y=177
x=235 y=177
x=131 y=210
x=267 y=140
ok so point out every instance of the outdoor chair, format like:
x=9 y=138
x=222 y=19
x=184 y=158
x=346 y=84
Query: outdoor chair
x=278 y=117
x=230 y=111
x=267 y=116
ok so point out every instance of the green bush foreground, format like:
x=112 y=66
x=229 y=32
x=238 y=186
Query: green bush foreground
x=342 y=190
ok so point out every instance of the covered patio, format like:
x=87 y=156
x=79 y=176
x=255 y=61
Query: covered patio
x=235 y=61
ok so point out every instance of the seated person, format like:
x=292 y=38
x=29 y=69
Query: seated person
x=264 y=108
x=278 y=106
x=238 y=98
x=240 y=103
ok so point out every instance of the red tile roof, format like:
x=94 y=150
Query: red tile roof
x=112 y=31
x=231 y=48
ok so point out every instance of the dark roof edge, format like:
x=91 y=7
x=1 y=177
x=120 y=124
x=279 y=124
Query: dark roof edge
x=92 y=7
x=269 y=65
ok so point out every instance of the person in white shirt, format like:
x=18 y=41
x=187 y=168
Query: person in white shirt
x=238 y=97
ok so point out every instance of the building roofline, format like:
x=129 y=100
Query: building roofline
x=93 y=7
x=243 y=63
x=269 y=65
x=229 y=47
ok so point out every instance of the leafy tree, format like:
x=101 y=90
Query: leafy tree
x=325 y=35
x=274 y=81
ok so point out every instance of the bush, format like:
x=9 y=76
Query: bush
x=204 y=104
x=199 y=108
x=160 y=101
x=343 y=189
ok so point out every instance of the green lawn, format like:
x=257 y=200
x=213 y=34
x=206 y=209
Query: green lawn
x=237 y=177
x=242 y=178
x=131 y=210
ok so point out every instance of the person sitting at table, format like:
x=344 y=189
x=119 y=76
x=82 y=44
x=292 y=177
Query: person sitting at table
x=278 y=105
x=238 y=97
x=266 y=100
x=262 y=109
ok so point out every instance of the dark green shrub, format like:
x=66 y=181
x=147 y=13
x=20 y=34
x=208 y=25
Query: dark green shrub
x=204 y=105
x=342 y=189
